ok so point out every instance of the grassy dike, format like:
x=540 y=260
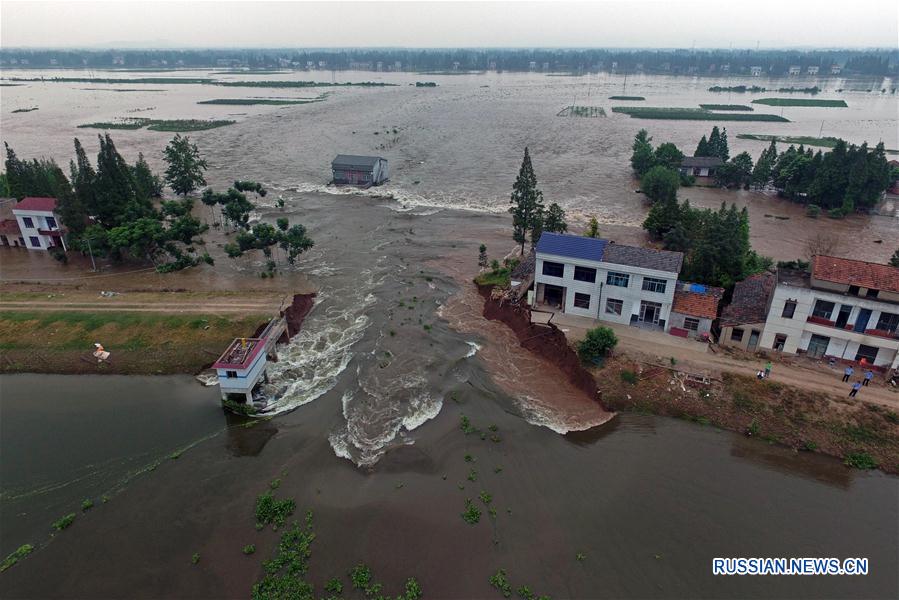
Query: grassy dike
x=140 y=343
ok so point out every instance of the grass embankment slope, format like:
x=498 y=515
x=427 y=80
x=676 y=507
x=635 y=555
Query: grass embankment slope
x=862 y=434
x=139 y=343
x=693 y=114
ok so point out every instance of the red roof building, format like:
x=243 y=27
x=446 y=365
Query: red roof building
x=36 y=204
x=854 y=273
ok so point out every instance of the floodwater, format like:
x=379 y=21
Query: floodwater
x=647 y=501
x=372 y=389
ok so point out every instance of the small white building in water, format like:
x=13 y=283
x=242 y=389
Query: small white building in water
x=38 y=224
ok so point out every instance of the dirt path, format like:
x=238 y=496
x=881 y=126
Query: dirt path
x=692 y=356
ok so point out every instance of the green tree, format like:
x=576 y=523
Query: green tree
x=184 y=173
x=660 y=184
x=642 y=158
x=735 y=173
x=592 y=228
x=482 y=256
x=282 y=223
x=702 y=148
x=554 y=220
x=894 y=260
x=526 y=201
x=596 y=344
x=116 y=195
x=668 y=155
x=149 y=185
x=761 y=173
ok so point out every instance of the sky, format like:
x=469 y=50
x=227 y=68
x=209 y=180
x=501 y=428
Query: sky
x=612 y=23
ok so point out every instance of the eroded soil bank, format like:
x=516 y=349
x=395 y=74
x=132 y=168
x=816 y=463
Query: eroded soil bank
x=806 y=421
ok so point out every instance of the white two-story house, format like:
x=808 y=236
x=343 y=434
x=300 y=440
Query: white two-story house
x=844 y=309
x=38 y=224
x=603 y=280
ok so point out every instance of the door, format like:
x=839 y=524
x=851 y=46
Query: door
x=753 y=340
x=650 y=312
x=861 y=322
x=817 y=346
x=843 y=316
x=552 y=295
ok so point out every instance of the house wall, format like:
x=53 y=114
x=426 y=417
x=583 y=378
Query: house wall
x=705 y=325
x=843 y=343
x=743 y=344
x=39 y=221
x=246 y=378
x=600 y=291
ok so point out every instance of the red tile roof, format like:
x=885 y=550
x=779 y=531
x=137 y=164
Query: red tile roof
x=856 y=272
x=750 y=301
x=698 y=305
x=9 y=227
x=46 y=204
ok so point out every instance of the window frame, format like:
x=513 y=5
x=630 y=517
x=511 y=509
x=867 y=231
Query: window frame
x=829 y=312
x=35 y=241
x=859 y=355
x=620 y=304
x=616 y=276
x=652 y=282
x=579 y=270
x=552 y=265
x=694 y=321
x=893 y=322
x=51 y=223
x=583 y=295
x=791 y=304
x=28 y=223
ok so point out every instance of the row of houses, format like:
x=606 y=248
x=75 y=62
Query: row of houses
x=31 y=223
x=841 y=309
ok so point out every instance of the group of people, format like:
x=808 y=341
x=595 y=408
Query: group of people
x=847 y=373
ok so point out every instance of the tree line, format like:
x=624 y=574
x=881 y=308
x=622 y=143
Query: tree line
x=117 y=210
x=844 y=179
x=773 y=62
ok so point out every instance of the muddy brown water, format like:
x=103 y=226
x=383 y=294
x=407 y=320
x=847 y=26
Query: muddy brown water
x=394 y=351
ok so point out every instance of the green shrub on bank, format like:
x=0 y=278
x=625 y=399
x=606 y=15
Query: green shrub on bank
x=596 y=344
x=860 y=460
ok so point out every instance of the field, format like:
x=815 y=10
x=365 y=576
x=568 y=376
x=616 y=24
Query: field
x=691 y=114
x=626 y=98
x=800 y=102
x=742 y=107
x=807 y=140
x=201 y=81
x=175 y=125
x=139 y=342
x=255 y=101
x=582 y=111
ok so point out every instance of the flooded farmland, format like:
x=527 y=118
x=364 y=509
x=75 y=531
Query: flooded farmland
x=394 y=353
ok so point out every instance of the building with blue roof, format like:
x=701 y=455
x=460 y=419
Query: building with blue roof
x=603 y=280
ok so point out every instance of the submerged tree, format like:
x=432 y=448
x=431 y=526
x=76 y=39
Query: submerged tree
x=526 y=201
x=554 y=219
x=894 y=260
x=642 y=157
x=184 y=173
x=482 y=256
x=592 y=228
x=660 y=184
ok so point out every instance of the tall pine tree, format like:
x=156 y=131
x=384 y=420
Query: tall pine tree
x=526 y=201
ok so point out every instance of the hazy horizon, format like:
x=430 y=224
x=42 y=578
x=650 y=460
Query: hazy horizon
x=613 y=24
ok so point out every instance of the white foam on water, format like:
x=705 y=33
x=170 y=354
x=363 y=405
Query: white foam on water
x=208 y=379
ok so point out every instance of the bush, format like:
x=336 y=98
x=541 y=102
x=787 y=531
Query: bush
x=812 y=210
x=860 y=460
x=836 y=213
x=13 y=558
x=64 y=522
x=629 y=377
x=597 y=344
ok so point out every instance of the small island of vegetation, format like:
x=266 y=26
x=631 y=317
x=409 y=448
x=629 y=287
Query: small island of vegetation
x=633 y=98
x=738 y=107
x=171 y=125
x=582 y=111
x=255 y=101
x=691 y=114
x=800 y=102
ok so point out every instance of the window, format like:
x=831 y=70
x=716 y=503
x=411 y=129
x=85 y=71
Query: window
x=789 y=309
x=780 y=341
x=231 y=374
x=553 y=269
x=823 y=309
x=691 y=324
x=35 y=243
x=618 y=279
x=651 y=284
x=736 y=335
x=581 y=300
x=614 y=307
x=871 y=293
x=853 y=290
x=28 y=222
x=869 y=353
x=51 y=223
x=584 y=274
x=888 y=322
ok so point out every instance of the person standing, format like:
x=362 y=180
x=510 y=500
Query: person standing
x=869 y=375
x=855 y=388
x=768 y=369
x=847 y=373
